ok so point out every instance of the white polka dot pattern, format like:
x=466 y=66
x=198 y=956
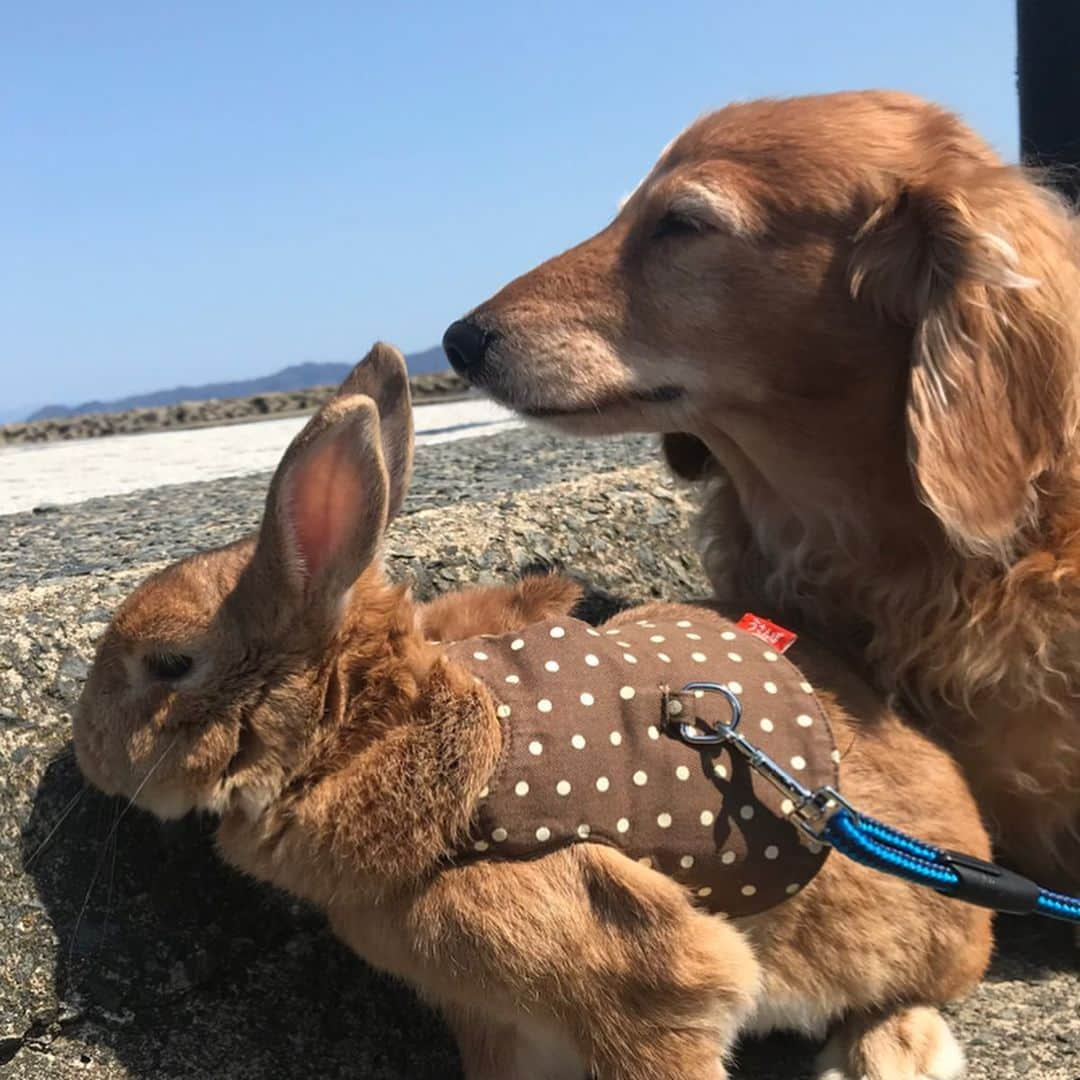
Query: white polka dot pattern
x=587 y=754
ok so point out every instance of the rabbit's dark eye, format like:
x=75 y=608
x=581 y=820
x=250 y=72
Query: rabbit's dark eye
x=168 y=665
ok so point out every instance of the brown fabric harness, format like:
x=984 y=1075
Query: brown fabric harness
x=590 y=753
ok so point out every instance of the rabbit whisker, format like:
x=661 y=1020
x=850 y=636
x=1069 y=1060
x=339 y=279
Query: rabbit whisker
x=64 y=814
x=112 y=880
x=105 y=850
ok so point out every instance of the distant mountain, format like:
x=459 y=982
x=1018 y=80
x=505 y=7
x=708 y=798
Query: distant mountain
x=295 y=377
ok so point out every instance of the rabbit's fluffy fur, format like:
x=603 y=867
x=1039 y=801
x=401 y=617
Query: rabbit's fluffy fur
x=344 y=755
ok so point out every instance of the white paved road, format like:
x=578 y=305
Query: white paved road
x=66 y=472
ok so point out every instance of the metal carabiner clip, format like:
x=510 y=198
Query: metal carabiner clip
x=722 y=732
x=810 y=810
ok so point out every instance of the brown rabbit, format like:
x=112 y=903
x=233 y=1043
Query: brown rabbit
x=283 y=684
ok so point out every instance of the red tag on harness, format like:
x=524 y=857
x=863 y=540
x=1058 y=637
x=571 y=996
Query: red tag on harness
x=776 y=636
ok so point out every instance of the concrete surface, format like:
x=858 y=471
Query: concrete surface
x=128 y=951
x=39 y=474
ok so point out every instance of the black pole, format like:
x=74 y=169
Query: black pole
x=1048 y=74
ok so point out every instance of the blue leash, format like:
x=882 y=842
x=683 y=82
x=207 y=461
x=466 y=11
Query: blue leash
x=828 y=818
x=951 y=873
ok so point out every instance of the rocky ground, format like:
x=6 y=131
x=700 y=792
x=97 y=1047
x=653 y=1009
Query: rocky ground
x=127 y=950
x=436 y=386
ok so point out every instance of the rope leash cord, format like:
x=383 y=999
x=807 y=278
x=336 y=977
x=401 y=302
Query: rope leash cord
x=960 y=876
x=825 y=816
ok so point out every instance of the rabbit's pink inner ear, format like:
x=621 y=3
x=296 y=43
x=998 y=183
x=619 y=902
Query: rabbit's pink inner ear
x=326 y=498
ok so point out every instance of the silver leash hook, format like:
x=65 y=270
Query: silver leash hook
x=722 y=732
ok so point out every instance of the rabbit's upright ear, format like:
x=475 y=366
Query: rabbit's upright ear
x=326 y=510
x=383 y=376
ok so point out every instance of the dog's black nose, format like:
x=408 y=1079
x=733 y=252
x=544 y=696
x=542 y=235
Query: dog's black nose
x=465 y=344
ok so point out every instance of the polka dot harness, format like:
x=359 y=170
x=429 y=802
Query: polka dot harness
x=589 y=753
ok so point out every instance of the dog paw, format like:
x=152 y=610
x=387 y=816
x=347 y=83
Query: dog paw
x=913 y=1044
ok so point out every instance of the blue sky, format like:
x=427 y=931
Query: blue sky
x=194 y=191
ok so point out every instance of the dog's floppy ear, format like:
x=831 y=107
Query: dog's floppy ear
x=686 y=455
x=977 y=263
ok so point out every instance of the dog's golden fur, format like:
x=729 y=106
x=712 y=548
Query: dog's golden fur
x=861 y=331
x=345 y=754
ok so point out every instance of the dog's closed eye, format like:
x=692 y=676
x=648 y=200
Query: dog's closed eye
x=695 y=209
x=675 y=224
